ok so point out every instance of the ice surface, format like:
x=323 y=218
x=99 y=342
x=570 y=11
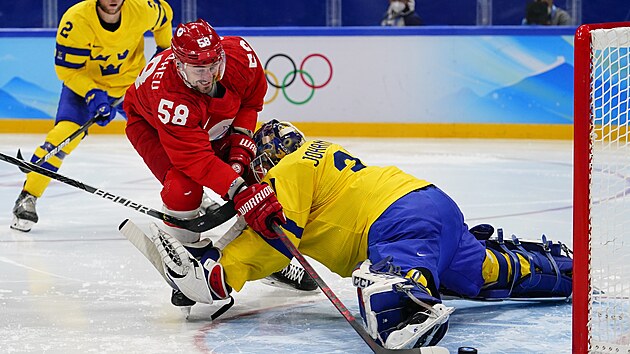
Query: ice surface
x=75 y=285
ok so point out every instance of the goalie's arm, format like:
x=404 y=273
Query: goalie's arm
x=251 y=257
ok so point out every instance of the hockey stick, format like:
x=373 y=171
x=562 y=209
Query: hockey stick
x=142 y=243
x=376 y=348
x=67 y=140
x=202 y=223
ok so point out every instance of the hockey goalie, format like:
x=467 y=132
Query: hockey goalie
x=401 y=239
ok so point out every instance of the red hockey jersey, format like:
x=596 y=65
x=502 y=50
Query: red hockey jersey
x=187 y=121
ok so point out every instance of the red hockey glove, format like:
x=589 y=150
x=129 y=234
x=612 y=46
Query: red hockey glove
x=260 y=208
x=242 y=151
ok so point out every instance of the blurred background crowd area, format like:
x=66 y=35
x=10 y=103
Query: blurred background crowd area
x=331 y=13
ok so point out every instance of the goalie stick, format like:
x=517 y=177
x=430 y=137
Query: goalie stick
x=201 y=223
x=67 y=140
x=376 y=348
x=138 y=238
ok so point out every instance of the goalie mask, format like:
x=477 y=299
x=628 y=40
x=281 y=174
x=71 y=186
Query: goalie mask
x=200 y=56
x=274 y=140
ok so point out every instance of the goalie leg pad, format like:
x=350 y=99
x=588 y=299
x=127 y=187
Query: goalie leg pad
x=199 y=280
x=530 y=269
x=398 y=312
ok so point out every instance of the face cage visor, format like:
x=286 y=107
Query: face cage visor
x=260 y=165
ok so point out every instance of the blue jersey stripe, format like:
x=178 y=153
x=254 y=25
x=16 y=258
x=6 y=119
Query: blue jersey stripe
x=71 y=50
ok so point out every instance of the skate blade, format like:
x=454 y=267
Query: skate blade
x=21 y=225
x=186 y=311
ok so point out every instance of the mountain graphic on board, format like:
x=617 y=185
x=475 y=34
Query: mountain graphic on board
x=31 y=96
x=545 y=98
x=12 y=108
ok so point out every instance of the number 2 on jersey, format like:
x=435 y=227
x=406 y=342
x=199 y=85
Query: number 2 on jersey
x=341 y=158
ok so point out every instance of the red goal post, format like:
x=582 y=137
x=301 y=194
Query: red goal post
x=601 y=189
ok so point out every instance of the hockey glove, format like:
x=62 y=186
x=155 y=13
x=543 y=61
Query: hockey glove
x=98 y=106
x=242 y=151
x=260 y=208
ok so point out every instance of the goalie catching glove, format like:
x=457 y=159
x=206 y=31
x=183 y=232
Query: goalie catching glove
x=399 y=312
x=200 y=280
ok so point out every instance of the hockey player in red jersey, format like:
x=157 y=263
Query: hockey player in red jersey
x=191 y=114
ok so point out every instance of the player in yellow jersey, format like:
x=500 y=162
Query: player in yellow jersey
x=99 y=54
x=402 y=239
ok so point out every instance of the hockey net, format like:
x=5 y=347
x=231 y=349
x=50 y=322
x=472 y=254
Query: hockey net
x=601 y=219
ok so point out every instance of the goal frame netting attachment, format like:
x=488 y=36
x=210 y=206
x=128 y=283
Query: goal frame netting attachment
x=601 y=189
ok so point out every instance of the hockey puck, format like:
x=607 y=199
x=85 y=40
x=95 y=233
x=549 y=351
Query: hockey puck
x=466 y=350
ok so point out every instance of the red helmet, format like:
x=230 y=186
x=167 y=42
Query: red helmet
x=196 y=43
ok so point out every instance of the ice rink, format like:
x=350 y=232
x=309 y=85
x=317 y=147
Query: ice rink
x=75 y=285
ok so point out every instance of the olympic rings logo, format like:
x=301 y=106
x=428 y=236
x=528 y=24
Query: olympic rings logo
x=289 y=78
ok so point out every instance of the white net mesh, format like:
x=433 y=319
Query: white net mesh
x=609 y=317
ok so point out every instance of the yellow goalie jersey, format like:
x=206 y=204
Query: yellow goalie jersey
x=88 y=56
x=330 y=199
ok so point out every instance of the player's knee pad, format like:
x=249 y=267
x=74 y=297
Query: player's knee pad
x=201 y=280
x=180 y=192
x=398 y=311
x=529 y=269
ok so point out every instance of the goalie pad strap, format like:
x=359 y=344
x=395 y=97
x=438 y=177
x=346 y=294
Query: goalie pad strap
x=548 y=271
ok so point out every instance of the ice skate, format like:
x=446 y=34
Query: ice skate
x=24 y=213
x=291 y=277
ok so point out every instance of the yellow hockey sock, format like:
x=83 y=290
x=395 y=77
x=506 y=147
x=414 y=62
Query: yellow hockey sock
x=417 y=276
x=490 y=268
x=35 y=183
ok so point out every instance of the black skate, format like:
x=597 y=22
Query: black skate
x=184 y=303
x=179 y=299
x=24 y=213
x=291 y=277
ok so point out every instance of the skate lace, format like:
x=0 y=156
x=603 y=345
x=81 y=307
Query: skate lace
x=293 y=273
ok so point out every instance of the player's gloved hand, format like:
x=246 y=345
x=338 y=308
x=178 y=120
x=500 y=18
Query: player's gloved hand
x=260 y=208
x=242 y=151
x=98 y=106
